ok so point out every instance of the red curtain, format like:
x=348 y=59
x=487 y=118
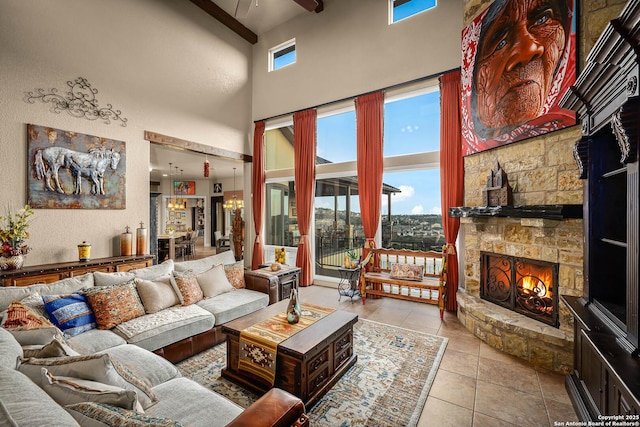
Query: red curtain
x=451 y=175
x=304 y=147
x=369 y=129
x=257 y=185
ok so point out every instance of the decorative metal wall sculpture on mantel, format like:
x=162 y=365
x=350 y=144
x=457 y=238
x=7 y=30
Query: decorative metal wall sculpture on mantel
x=80 y=101
x=70 y=170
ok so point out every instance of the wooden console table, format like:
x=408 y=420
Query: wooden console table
x=49 y=273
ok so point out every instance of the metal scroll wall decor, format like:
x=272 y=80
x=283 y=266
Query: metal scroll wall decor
x=70 y=170
x=80 y=101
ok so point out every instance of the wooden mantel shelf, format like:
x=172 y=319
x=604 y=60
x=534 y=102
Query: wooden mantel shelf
x=555 y=212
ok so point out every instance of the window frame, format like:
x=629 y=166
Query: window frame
x=273 y=54
x=392 y=10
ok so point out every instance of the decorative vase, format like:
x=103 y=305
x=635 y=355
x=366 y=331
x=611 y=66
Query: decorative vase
x=293 y=309
x=13 y=262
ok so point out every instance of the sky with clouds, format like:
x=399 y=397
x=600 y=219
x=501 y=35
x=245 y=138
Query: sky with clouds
x=411 y=125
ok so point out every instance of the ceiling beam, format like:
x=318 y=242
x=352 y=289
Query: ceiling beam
x=316 y=6
x=183 y=144
x=229 y=21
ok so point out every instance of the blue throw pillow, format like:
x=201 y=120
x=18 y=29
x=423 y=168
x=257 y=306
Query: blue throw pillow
x=70 y=313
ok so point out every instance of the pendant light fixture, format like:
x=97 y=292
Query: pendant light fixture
x=233 y=203
x=176 y=205
x=206 y=166
x=170 y=204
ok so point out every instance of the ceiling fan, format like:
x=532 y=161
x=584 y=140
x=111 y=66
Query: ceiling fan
x=243 y=6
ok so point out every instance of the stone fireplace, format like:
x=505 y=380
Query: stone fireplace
x=522 y=285
x=544 y=225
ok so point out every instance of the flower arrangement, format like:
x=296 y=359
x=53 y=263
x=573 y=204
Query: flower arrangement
x=13 y=232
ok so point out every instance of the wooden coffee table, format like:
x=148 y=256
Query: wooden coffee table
x=308 y=364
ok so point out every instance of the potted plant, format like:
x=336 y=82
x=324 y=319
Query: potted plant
x=13 y=234
x=351 y=259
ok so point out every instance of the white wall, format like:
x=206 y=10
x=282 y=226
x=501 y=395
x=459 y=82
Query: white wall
x=349 y=49
x=168 y=66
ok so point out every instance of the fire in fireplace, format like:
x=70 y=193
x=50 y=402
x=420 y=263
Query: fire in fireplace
x=523 y=285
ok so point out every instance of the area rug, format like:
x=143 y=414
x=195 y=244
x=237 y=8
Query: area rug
x=388 y=385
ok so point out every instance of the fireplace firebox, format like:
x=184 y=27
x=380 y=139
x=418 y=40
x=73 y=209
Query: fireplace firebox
x=523 y=285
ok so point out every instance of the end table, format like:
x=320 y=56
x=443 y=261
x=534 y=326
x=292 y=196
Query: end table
x=288 y=277
x=348 y=286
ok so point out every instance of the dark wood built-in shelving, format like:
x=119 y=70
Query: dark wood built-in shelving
x=555 y=212
x=606 y=96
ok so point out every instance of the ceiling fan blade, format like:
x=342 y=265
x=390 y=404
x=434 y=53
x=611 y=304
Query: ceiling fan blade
x=242 y=8
x=311 y=5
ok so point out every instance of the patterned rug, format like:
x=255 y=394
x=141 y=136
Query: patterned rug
x=388 y=386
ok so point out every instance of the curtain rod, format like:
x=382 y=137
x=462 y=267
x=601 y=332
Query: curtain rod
x=397 y=85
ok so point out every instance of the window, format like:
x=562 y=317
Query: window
x=412 y=122
x=410 y=205
x=415 y=220
x=279 y=147
x=336 y=137
x=282 y=55
x=402 y=9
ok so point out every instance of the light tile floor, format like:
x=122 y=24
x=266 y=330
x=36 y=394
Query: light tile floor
x=476 y=385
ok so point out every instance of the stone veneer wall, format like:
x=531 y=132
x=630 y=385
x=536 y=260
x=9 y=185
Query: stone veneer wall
x=541 y=171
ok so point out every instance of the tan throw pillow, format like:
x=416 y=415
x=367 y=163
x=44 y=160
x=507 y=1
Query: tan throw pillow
x=188 y=287
x=214 y=281
x=56 y=348
x=235 y=274
x=101 y=368
x=70 y=390
x=157 y=295
x=113 y=305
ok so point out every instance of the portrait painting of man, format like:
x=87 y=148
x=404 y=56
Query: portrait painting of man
x=518 y=60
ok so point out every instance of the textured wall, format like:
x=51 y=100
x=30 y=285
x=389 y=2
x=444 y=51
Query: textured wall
x=167 y=65
x=350 y=49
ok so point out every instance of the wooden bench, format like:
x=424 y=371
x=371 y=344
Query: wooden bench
x=431 y=289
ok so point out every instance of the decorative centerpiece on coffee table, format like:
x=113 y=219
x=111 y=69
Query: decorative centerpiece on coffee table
x=13 y=234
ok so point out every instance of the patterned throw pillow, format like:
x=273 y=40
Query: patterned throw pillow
x=114 y=416
x=188 y=287
x=70 y=313
x=34 y=302
x=235 y=274
x=406 y=271
x=19 y=316
x=113 y=305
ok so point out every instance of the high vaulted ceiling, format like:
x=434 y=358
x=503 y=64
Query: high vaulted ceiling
x=250 y=18
x=256 y=17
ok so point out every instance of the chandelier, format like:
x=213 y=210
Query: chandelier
x=233 y=203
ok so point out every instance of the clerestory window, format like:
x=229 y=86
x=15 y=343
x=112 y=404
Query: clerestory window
x=402 y=9
x=282 y=55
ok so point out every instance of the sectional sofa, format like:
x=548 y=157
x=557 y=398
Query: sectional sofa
x=107 y=373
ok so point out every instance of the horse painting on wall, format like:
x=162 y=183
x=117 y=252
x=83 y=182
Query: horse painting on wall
x=70 y=170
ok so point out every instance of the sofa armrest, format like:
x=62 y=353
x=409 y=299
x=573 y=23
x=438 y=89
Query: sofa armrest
x=267 y=284
x=276 y=408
